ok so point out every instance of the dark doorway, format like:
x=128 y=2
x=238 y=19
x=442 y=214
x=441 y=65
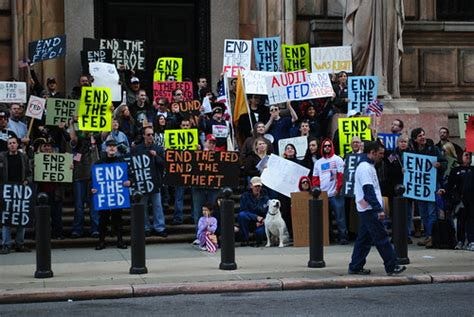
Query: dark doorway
x=178 y=28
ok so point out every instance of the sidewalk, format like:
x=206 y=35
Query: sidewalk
x=181 y=268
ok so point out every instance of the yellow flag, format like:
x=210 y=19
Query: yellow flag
x=241 y=106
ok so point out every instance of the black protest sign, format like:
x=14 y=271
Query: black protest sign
x=350 y=164
x=202 y=168
x=18 y=205
x=103 y=56
x=144 y=172
x=49 y=48
x=129 y=53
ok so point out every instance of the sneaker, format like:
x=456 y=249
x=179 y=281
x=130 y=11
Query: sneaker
x=362 y=271
x=459 y=246
x=196 y=242
x=470 y=246
x=203 y=248
x=429 y=243
x=397 y=270
x=162 y=234
x=94 y=235
x=75 y=235
x=5 y=249
x=22 y=248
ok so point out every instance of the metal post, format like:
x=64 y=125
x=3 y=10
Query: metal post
x=138 y=235
x=43 y=237
x=399 y=225
x=316 y=250
x=227 y=232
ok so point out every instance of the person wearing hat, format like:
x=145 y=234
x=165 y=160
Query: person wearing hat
x=5 y=132
x=217 y=126
x=122 y=141
x=253 y=210
x=52 y=88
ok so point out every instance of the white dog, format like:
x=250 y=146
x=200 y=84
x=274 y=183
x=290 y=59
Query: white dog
x=275 y=226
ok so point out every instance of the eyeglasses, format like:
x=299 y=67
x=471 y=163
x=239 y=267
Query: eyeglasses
x=274 y=109
x=327 y=145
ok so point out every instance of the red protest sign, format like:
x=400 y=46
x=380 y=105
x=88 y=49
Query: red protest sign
x=470 y=134
x=164 y=89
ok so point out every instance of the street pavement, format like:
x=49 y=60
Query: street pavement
x=84 y=273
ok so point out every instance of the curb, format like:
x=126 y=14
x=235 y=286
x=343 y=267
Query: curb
x=285 y=284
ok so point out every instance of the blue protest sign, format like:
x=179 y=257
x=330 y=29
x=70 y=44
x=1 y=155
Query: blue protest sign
x=419 y=178
x=389 y=140
x=49 y=48
x=267 y=52
x=362 y=90
x=108 y=180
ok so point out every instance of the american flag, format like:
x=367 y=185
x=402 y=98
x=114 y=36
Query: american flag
x=221 y=96
x=375 y=107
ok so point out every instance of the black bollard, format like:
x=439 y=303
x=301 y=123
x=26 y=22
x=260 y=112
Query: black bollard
x=316 y=247
x=227 y=232
x=43 y=237
x=399 y=225
x=138 y=235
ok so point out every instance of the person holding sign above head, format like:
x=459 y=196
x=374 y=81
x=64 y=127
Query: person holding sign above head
x=279 y=127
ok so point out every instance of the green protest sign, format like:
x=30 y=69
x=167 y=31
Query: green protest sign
x=60 y=110
x=53 y=167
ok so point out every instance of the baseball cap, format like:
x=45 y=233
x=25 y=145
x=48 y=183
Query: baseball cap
x=111 y=142
x=4 y=113
x=352 y=113
x=256 y=181
x=210 y=137
x=134 y=80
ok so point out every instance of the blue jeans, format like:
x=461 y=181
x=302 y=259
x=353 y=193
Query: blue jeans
x=202 y=196
x=429 y=215
x=372 y=230
x=7 y=237
x=80 y=188
x=244 y=219
x=178 y=203
x=158 y=215
x=336 y=204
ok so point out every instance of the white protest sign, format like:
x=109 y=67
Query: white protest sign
x=106 y=75
x=331 y=59
x=300 y=143
x=237 y=55
x=255 y=82
x=320 y=85
x=35 y=107
x=206 y=104
x=288 y=86
x=12 y=92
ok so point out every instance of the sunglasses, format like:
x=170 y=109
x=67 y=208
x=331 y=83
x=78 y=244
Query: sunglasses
x=304 y=182
x=327 y=145
x=180 y=94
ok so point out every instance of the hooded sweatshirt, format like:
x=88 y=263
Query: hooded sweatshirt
x=328 y=173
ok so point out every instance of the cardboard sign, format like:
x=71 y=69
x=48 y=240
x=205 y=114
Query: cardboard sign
x=419 y=177
x=35 y=107
x=106 y=75
x=389 y=140
x=350 y=164
x=53 y=167
x=288 y=86
x=95 y=113
x=181 y=139
x=129 y=53
x=144 y=172
x=255 y=81
x=267 y=51
x=12 y=92
x=462 y=119
x=164 y=89
x=168 y=66
x=49 y=48
x=348 y=127
x=331 y=59
x=237 y=55
x=470 y=134
x=18 y=205
x=60 y=110
x=296 y=57
x=102 y=56
x=108 y=180
x=320 y=85
x=202 y=168
x=300 y=143
x=362 y=90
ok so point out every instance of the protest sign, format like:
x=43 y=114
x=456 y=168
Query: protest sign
x=470 y=134
x=283 y=175
x=53 y=167
x=419 y=177
x=95 y=113
x=237 y=55
x=106 y=75
x=35 y=107
x=295 y=57
x=12 y=92
x=350 y=164
x=288 y=86
x=144 y=172
x=129 y=53
x=389 y=140
x=255 y=81
x=331 y=59
x=202 y=168
x=181 y=139
x=348 y=127
x=362 y=90
x=300 y=143
x=18 y=205
x=164 y=89
x=320 y=85
x=267 y=51
x=49 y=48
x=168 y=66
x=189 y=109
x=60 y=110
x=462 y=120
x=108 y=180
x=103 y=56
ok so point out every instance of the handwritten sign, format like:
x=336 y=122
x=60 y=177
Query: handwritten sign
x=35 y=107
x=202 y=168
x=348 y=127
x=103 y=56
x=320 y=85
x=462 y=120
x=168 y=66
x=389 y=140
x=60 y=110
x=267 y=51
x=300 y=143
x=108 y=180
x=95 y=113
x=255 y=81
x=237 y=55
x=419 y=178
x=49 y=48
x=164 y=89
x=350 y=164
x=331 y=59
x=12 y=92
x=18 y=205
x=106 y=75
x=288 y=86
x=181 y=139
x=362 y=90
x=53 y=167
x=144 y=172
x=129 y=53
x=296 y=57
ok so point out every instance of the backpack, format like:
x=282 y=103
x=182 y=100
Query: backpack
x=443 y=235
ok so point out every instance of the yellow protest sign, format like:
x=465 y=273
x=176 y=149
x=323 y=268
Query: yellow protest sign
x=348 y=127
x=181 y=139
x=95 y=113
x=296 y=57
x=168 y=66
